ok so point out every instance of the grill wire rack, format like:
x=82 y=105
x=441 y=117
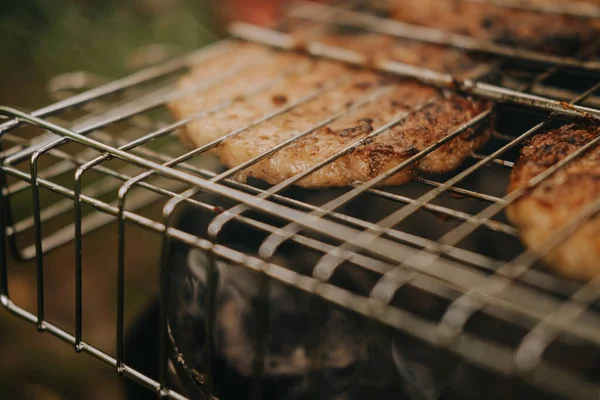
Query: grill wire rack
x=468 y=258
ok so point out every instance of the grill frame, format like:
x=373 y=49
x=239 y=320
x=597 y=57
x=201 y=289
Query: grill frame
x=458 y=341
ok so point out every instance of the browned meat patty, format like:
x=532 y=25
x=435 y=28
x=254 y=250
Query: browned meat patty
x=560 y=198
x=440 y=115
x=382 y=48
x=521 y=28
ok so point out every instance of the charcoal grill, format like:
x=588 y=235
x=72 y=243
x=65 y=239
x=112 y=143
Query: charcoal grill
x=468 y=257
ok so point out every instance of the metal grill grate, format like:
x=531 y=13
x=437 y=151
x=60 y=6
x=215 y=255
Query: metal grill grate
x=116 y=132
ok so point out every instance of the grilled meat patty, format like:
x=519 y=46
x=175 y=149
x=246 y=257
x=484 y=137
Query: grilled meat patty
x=516 y=27
x=424 y=117
x=560 y=198
x=381 y=47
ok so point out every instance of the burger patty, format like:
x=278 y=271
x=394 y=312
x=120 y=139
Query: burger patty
x=560 y=198
x=425 y=114
x=425 y=55
x=516 y=27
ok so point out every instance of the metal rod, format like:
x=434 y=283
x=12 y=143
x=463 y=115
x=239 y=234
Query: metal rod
x=39 y=252
x=164 y=284
x=461 y=191
x=496 y=161
x=4 y=210
x=553 y=92
x=95 y=221
x=529 y=353
x=461 y=216
x=121 y=289
x=78 y=221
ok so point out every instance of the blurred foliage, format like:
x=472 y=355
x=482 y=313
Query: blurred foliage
x=96 y=35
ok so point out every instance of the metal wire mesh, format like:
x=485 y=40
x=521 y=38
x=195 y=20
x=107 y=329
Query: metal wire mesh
x=117 y=133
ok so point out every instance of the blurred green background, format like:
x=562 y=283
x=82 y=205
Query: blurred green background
x=38 y=40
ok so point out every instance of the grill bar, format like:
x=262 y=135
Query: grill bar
x=460 y=191
x=504 y=163
x=497 y=226
x=552 y=92
x=4 y=216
